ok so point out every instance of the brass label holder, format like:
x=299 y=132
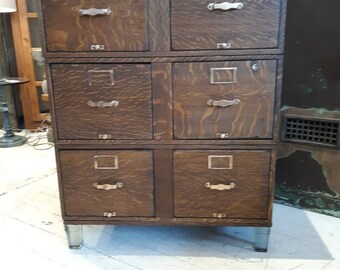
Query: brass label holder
x=98 y=165
x=220 y=162
x=229 y=71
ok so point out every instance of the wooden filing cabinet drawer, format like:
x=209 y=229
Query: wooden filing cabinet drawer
x=102 y=101
x=248 y=25
x=221 y=184
x=107 y=183
x=234 y=99
x=88 y=25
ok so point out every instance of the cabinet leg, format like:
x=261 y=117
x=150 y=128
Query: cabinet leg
x=261 y=239
x=74 y=236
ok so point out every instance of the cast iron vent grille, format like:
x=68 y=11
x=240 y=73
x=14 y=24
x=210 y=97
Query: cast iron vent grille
x=325 y=132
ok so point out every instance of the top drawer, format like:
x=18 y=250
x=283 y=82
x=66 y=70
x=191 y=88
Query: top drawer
x=96 y=25
x=205 y=25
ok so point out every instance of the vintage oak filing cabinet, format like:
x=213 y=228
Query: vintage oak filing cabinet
x=165 y=111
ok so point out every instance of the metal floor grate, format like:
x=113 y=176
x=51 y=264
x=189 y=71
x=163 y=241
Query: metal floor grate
x=311 y=131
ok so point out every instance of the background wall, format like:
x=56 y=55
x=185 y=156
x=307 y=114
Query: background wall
x=309 y=176
x=8 y=67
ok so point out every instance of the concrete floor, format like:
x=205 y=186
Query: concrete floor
x=32 y=234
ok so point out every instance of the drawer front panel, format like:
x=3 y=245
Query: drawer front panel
x=102 y=101
x=72 y=25
x=221 y=184
x=197 y=27
x=224 y=99
x=107 y=183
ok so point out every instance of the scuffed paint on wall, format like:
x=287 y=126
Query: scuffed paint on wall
x=311 y=87
x=308 y=179
x=309 y=176
x=316 y=82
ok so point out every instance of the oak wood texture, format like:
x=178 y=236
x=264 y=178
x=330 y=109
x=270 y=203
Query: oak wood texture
x=125 y=29
x=251 y=118
x=247 y=53
x=129 y=84
x=166 y=139
x=155 y=58
x=194 y=27
x=169 y=221
x=162 y=101
x=277 y=113
x=271 y=182
x=134 y=170
x=159 y=25
x=248 y=171
x=207 y=145
x=164 y=183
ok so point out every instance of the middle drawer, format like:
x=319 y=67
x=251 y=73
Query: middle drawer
x=234 y=99
x=102 y=101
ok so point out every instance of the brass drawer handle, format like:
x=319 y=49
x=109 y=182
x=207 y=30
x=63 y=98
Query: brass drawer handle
x=103 y=104
x=225 y=6
x=94 y=11
x=220 y=186
x=223 y=103
x=108 y=186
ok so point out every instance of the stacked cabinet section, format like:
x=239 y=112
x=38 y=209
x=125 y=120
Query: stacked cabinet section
x=165 y=111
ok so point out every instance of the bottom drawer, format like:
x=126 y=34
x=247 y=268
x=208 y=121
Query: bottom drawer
x=107 y=183
x=221 y=184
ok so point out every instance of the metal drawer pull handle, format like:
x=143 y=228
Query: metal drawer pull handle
x=94 y=11
x=103 y=104
x=223 y=103
x=220 y=186
x=108 y=186
x=225 y=6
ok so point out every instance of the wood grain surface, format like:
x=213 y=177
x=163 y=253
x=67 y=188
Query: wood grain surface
x=159 y=25
x=251 y=118
x=160 y=54
x=72 y=89
x=163 y=183
x=203 y=145
x=162 y=101
x=125 y=29
x=105 y=58
x=250 y=173
x=122 y=221
x=175 y=55
x=81 y=198
x=194 y=27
